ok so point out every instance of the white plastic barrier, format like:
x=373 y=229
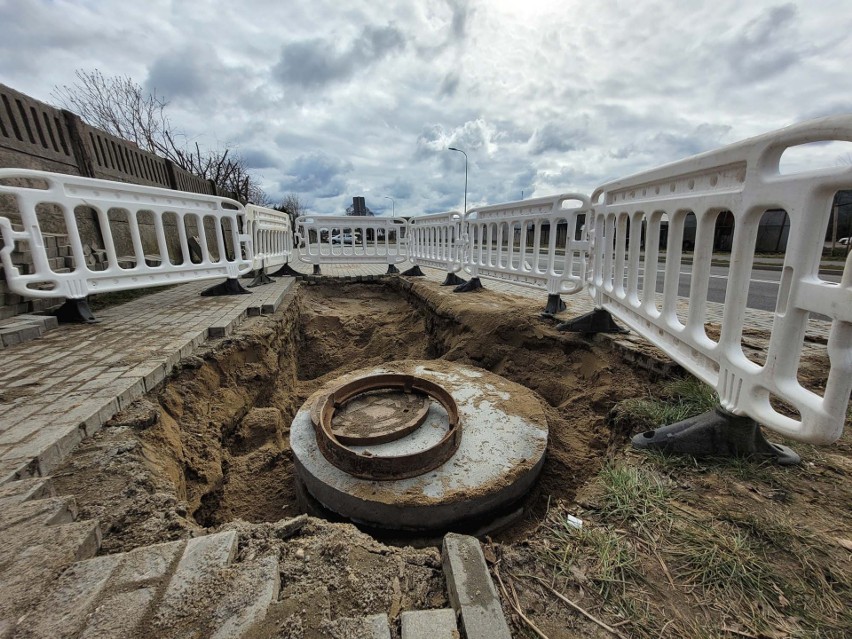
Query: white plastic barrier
x=272 y=235
x=351 y=240
x=118 y=205
x=536 y=243
x=744 y=179
x=435 y=241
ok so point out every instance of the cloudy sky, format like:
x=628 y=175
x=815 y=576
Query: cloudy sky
x=329 y=99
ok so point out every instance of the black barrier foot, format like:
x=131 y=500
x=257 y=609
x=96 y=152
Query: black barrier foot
x=414 y=271
x=716 y=433
x=317 y=270
x=75 y=312
x=230 y=286
x=391 y=270
x=473 y=285
x=260 y=279
x=453 y=280
x=598 y=321
x=554 y=305
x=286 y=271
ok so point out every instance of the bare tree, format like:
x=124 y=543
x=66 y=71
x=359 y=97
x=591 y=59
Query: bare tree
x=120 y=106
x=293 y=206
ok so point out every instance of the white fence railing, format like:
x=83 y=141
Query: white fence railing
x=272 y=236
x=743 y=179
x=351 y=240
x=435 y=241
x=119 y=208
x=536 y=243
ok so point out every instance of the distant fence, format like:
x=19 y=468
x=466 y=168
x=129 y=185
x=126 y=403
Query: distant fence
x=513 y=242
x=59 y=137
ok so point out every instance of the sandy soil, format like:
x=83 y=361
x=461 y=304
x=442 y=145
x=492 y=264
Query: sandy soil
x=209 y=449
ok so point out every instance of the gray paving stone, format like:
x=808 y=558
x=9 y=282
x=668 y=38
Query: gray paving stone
x=45 y=512
x=471 y=591
x=118 y=615
x=148 y=564
x=33 y=557
x=429 y=624
x=248 y=598
x=202 y=556
x=26 y=490
x=63 y=613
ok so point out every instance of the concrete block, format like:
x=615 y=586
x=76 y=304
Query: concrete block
x=43 y=512
x=202 y=557
x=64 y=611
x=47 y=322
x=429 y=624
x=26 y=490
x=245 y=603
x=147 y=564
x=118 y=615
x=471 y=591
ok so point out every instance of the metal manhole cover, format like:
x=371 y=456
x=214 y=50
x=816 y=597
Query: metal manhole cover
x=379 y=416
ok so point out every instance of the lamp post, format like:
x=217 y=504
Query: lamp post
x=393 y=205
x=474 y=282
x=452 y=148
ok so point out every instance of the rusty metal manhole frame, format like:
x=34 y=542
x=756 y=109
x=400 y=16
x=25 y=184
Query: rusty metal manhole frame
x=377 y=467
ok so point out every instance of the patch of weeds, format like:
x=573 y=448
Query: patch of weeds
x=599 y=556
x=811 y=584
x=719 y=559
x=680 y=399
x=628 y=492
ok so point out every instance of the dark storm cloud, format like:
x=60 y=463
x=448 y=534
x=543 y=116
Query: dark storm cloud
x=764 y=46
x=318 y=174
x=258 y=159
x=318 y=62
x=180 y=75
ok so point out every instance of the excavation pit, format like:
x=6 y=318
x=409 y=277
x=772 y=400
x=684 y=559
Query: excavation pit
x=499 y=450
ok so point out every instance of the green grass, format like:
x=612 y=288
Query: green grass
x=634 y=493
x=680 y=399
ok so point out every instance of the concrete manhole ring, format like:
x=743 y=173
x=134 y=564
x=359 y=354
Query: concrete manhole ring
x=479 y=488
x=333 y=444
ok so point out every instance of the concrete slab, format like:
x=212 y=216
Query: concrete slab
x=504 y=437
x=471 y=590
x=201 y=556
x=429 y=624
x=251 y=591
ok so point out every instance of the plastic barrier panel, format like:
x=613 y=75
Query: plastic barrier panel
x=351 y=240
x=272 y=236
x=435 y=241
x=642 y=224
x=189 y=237
x=536 y=243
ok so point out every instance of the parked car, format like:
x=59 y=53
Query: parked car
x=346 y=238
x=844 y=241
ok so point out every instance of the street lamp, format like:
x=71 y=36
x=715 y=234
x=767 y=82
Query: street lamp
x=393 y=205
x=452 y=148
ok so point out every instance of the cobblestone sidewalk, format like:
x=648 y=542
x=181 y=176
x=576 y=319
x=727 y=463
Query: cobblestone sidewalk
x=56 y=390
